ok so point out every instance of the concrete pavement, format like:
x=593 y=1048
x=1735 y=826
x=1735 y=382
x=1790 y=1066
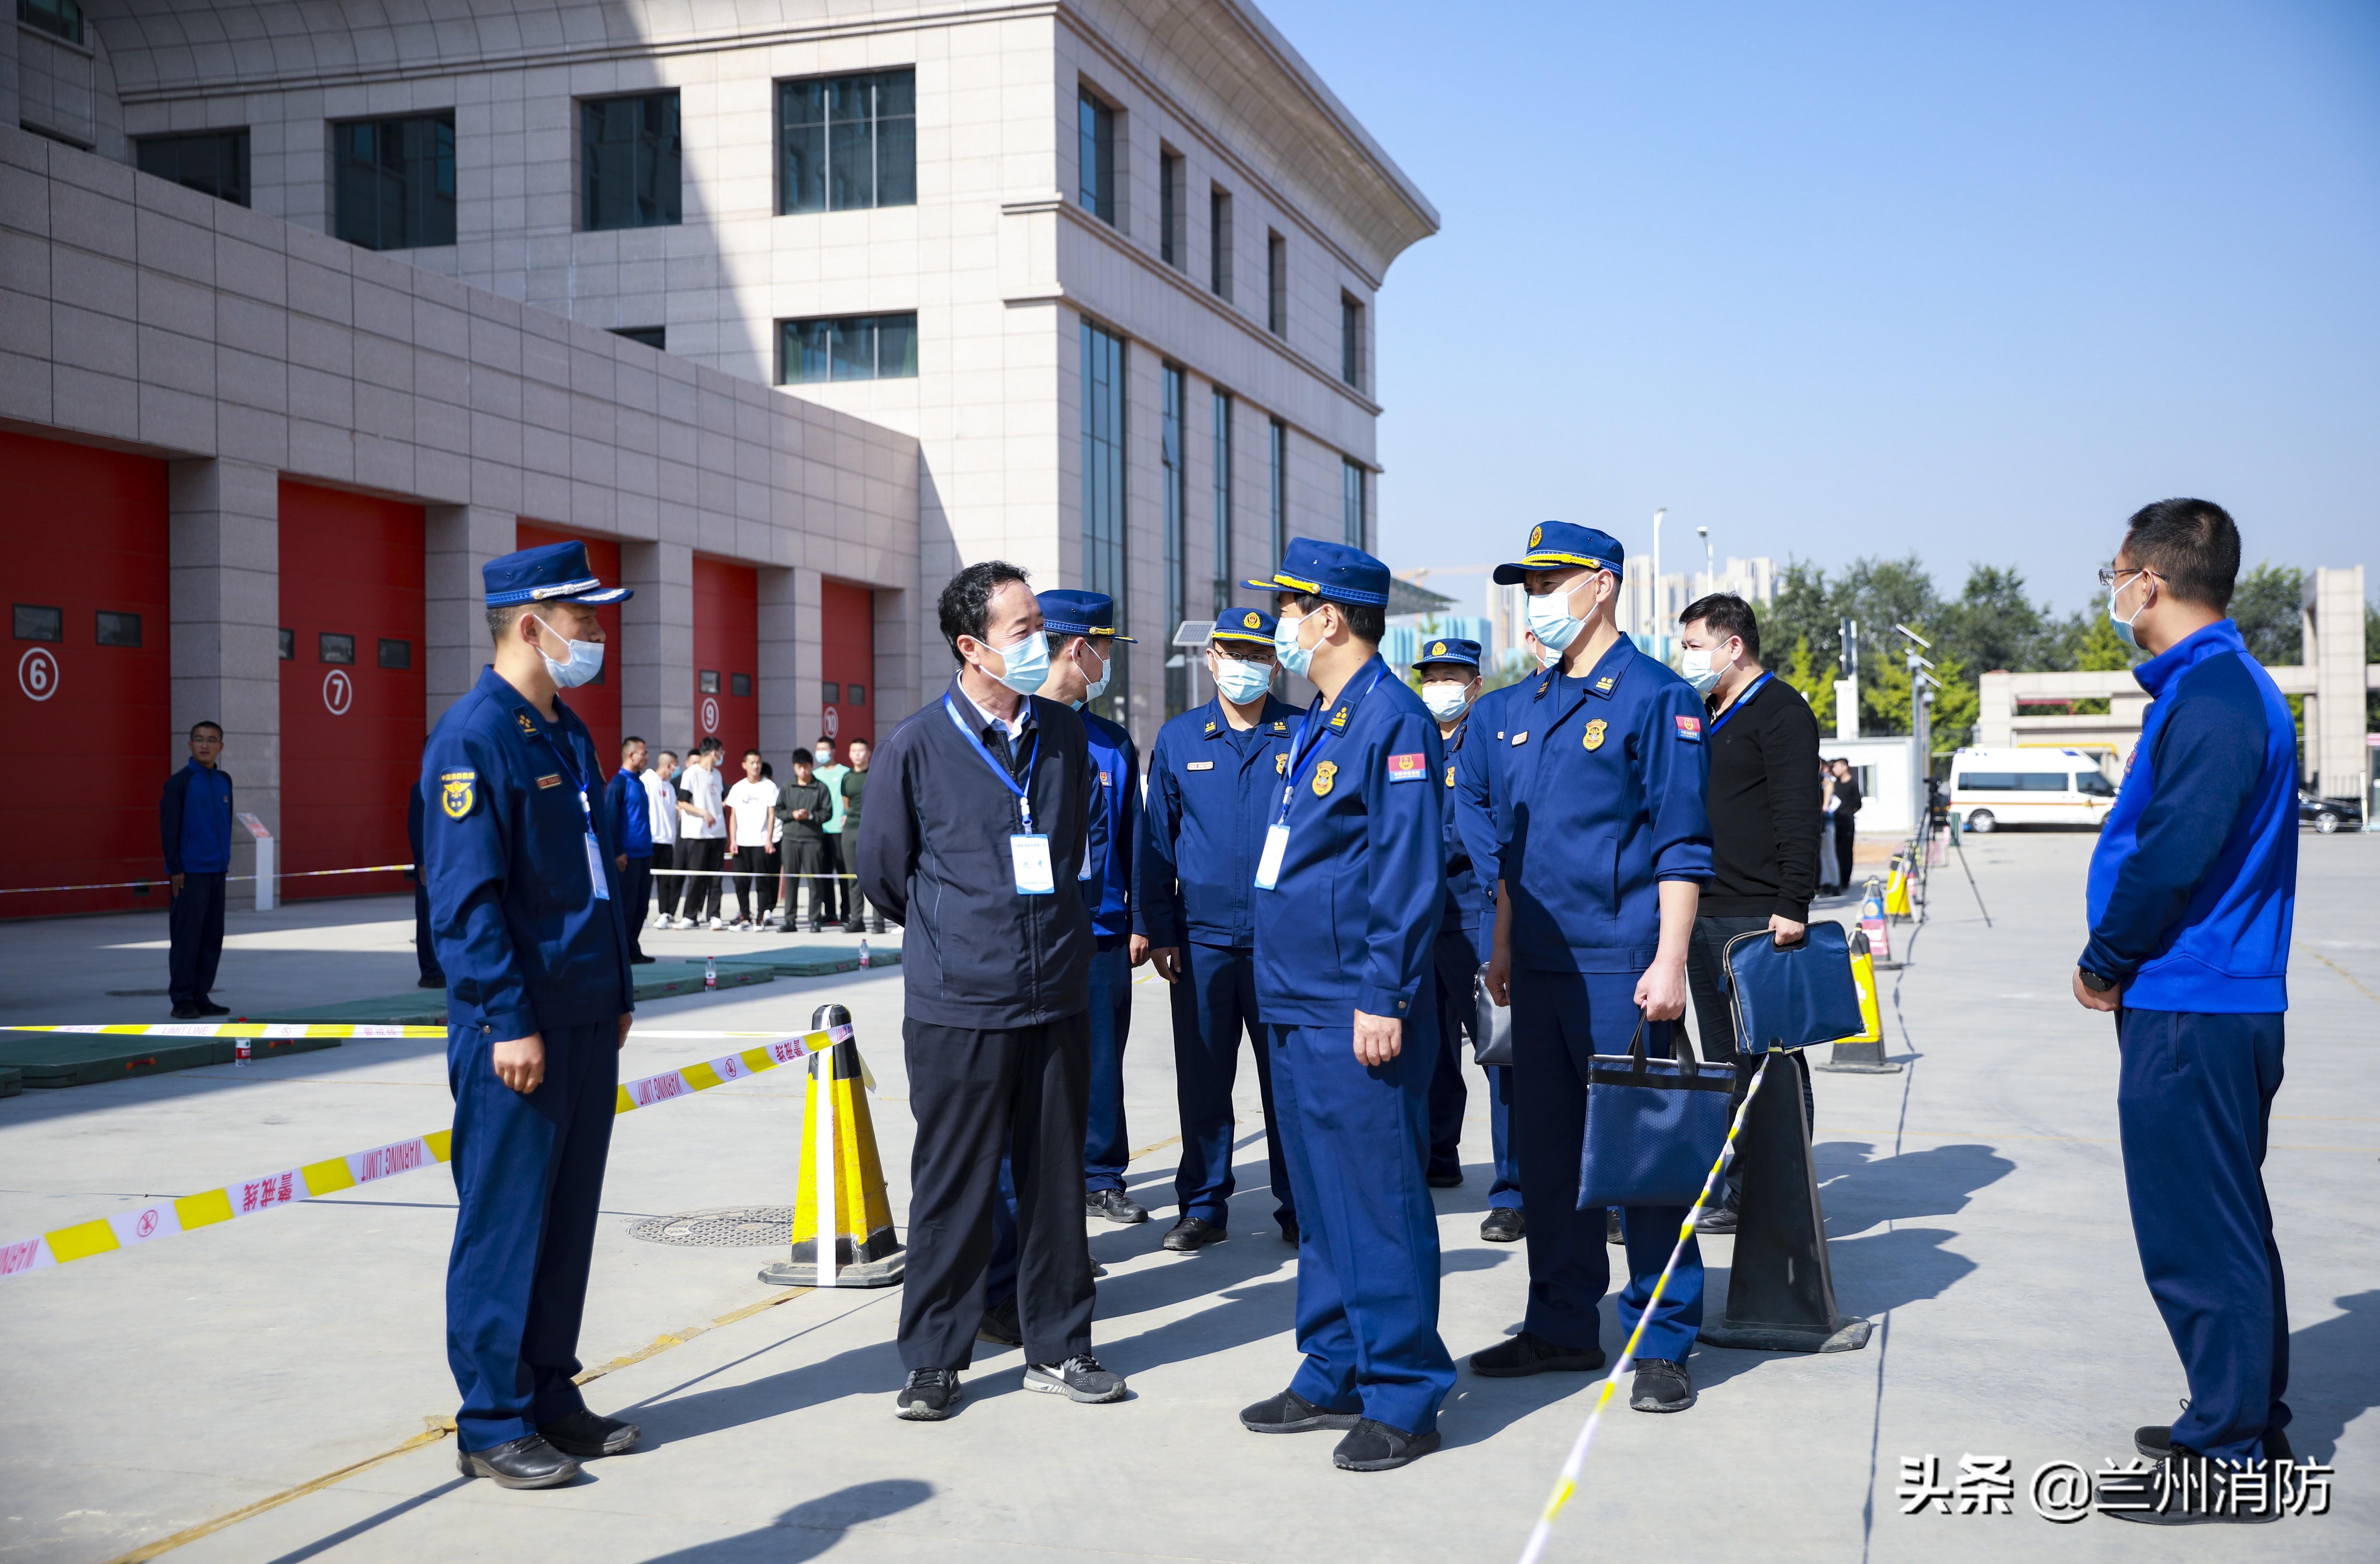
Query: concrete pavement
x=1975 y=1202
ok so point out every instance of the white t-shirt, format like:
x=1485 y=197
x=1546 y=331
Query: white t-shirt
x=754 y=804
x=702 y=787
x=660 y=803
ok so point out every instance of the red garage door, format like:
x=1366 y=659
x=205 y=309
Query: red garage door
x=598 y=704
x=727 y=656
x=352 y=694
x=88 y=704
x=847 y=661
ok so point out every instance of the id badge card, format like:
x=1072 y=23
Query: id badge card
x=1269 y=867
x=595 y=869
x=1030 y=856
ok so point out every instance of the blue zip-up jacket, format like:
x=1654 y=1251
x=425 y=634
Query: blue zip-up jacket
x=632 y=821
x=1461 y=914
x=194 y=820
x=2193 y=883
x=1481 y=805
x=1211 y=789
x=1107 y=883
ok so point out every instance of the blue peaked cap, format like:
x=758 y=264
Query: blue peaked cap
x=1563 y=545
x=551 y=573
x=1332 y=571
x=1066 y=612
x=1447 y=649
x=1252 y=626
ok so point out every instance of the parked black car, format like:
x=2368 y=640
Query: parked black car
x=2329 y=815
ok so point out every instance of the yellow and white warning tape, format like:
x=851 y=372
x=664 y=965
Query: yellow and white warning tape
x=248 y=1198
x=327 y=1029
x=1567 y=1484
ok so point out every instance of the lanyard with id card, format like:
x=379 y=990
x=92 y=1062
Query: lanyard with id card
x=594 y=849
x=1028 y=851
x=1301 y=749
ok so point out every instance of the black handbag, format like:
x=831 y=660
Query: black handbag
x=1654 y=1126
x=1491 y=1025
x=1795 y=996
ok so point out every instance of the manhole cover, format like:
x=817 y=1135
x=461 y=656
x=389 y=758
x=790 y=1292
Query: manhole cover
x=725 y=1227
x=140 y=993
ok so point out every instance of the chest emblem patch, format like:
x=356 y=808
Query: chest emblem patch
x=1449 y=774
x=1326 y=776
x=554 y=781
x=1593 y=738
x=1199 y=766
x=1408 y=767
x=455 y=792
x=1280 y=764
x=1520 y=738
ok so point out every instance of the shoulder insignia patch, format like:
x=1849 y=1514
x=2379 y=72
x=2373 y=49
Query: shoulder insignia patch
x=1281 y=727
x=1280 y=764
x=1339 y=720
x=1604 y=683
x=1211 y=727
x=1408 y=767
x=554 y=780
x=1593 y=738
x=1325 y=776
x=1520 y=738
x=1199 y=766
x=456 y=792
x=1690 y=728
x=527 y=728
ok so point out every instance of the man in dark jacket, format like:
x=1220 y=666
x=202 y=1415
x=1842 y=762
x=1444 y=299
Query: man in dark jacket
x=1762 y=795
x=194 y=823
x=804 y=805
x=629 y=809
x=984 y=812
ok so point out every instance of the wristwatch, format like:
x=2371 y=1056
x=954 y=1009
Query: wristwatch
x=2094 y=982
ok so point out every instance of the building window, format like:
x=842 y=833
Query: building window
x=1171 y=248
x=1222 y=501
x=852 y=347
x=739 y=684
x=707 y=682
x=834 y=693
x=214 y=163
x=1276 y=285
x=651 y=337
x=1104 y=562
x=1219 y=244
x=1351 y=491
x=847 y=142
x=1098 y=125
x=337 y=649
x=1177 y=566
x=394 y=182
x=119 y=629
x=35 y=623
x=628 y=162
x=288 y=646
x=59 y=19
x=396 y=654
x=855 y=694
x=1277 y=468
x=1351 y=341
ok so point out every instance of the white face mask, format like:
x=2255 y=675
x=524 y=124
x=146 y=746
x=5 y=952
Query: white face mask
x=1239 y=681
x=1099 y=687
x=1446 y=699
x=1297 y=659
x=1550 y=619
x=1695 y=666
x=586 y=657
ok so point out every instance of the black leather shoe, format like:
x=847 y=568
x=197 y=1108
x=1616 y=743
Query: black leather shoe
x=1193 y=1232
x=1530 y=1353
x=526 y=1462
x=584 y=1435
x=1504 y=1225
x=643 y=960
x=1115 y=1205
x=1715 y=1219
x=189 y=1013
x=1444 y=1180
x=208 y=1007
x=1373 y=1446
x=1661 y=1385
x=1290 y=1412
x=1000 y=1324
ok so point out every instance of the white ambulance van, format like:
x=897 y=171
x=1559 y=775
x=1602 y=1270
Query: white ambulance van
x=1991 y=788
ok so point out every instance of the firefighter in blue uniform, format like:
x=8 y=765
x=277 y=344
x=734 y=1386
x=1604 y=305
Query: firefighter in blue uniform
x=525 y=909
x=1481 y=807
x=1350 y=888
x=1599 y=877
x=1214 y=778
x=1083 y=639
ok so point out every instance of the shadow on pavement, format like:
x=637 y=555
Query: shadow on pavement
x=2333 y=1376
x=382 y=1518
x=816 y=1526
x=1860 y=1190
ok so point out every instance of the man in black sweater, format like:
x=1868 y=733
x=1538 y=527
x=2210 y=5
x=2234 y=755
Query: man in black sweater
x=984 y=810
x=1762 y=795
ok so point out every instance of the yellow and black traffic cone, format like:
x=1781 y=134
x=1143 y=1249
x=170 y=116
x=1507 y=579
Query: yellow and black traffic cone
x=839 y=1208
x=1862 y=1055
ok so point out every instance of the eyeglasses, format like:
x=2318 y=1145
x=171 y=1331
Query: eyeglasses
x=2110 y=575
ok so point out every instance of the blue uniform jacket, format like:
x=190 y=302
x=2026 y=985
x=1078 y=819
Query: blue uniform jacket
x=1462 y=914
x=1211 y=789
x=2193 y=882
x=194 y=820
x=1107 y=891
x=1350 y=923
x=1482 y=801
x=631 y=814
x=1606 y=776
x=525 y=943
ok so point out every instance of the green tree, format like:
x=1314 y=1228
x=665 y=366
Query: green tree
x=1995 y=625
x=1802 y=615
x=2268 y=604
x=1800 y=671
x=1884 y=696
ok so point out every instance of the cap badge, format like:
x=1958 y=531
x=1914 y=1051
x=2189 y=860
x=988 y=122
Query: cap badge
x=1251 y=622
x=1437 y=648
x=1537 y=536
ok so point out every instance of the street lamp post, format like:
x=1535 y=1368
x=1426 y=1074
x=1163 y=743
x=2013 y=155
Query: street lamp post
x=1653 y=587
x=1710 y=570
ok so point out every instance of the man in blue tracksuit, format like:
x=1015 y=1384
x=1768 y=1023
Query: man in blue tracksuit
x=194 y=826
x=630 y=808
x=1350 y=888
x=1600 y=879
x=526 y=907
x=1480 y=808
x=2191 y=889
x=1213 y=781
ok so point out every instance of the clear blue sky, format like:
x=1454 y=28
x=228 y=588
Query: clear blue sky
x=1837 y=280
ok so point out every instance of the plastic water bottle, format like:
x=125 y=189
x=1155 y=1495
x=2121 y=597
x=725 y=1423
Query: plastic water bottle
x=709 y=972
x=863 y=952
x=243 y=1051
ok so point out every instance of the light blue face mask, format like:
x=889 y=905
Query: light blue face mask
x=1295 y=658
x=1099 y=687
x=1550 y=619
x=1239 y=681
x=1027 y=663
x=2124 y=627
x=586 y=659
